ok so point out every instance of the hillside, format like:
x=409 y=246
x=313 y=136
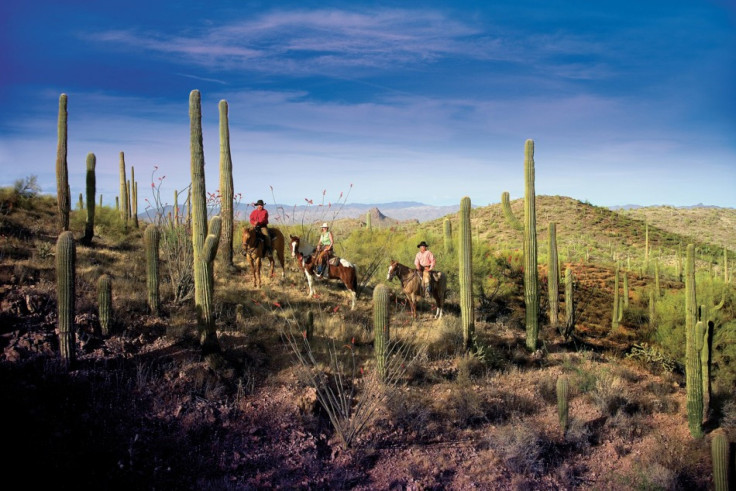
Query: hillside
x=142 y=408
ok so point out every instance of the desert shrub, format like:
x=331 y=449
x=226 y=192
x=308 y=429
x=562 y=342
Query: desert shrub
x=723 y=356
x=547 y=388
x=635 y=316
x=521 y=447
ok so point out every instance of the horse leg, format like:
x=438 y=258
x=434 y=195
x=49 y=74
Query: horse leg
x=273 y=265
x=309 y=282
x=353 y=296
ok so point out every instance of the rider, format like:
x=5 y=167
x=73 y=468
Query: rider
x=259 y=220
x=324 y=249
x=424 y=262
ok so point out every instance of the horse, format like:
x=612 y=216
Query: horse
x=411 y=283
x=338 y=268
x=254 y=250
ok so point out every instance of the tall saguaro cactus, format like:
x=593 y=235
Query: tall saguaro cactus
x=693 y=345
x=65 y=278
x=381 y=327
x=465 y=260
x=553 y=276
x=123 y=204
x=531 y=286
x=63 y=198
x=719 y=448
x=226 y=187
x=563 y=395
x=616 y=315
x=89 y=227
x=569 y=304
x=204 y=242
x=134 y=197
x=151 y=238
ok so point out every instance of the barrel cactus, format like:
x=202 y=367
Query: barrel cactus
x=65 y=279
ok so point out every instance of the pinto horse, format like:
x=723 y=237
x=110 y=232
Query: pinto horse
x=254 y=250
x=411 y=283
x=337 y=269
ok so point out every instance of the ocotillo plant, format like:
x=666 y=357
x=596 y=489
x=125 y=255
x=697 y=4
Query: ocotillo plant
x=447 y=229
x=151 y=238
x=465 y=260
x=204 y=243
x=553 y=276
x=89 y=227
x=63 y=198
x=65 y=279
x=563 y=395
x=510 y=217
x=226 y=188
x=381 y=328
x=693 y=345
x=104 y=303
x=531 y=286
x=719 y=449
x=123 y=204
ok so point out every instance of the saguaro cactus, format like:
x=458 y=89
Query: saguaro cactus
x=465 y=259
x=646 y=247
x=531 y=286
x=719 y=448
x=625 y=277
x=563 y=395
x=151 y=238
x=89 y=227
x=204 y=243
x=63 y=198
x=123 y=203
x=104 y=303
x=65 y=278
x=616 y=315
x=569 y=304
x=226 y=187
x=510 y=217
x=381 y=328
x=134 y=197
x=693 y=345
x=553 y=276
x=447 y=229
x=368 y=223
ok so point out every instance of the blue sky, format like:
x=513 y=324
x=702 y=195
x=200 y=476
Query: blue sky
x=628 y=102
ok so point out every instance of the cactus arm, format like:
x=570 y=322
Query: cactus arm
x=510 y=217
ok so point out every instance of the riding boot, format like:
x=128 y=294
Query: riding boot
x=267 y=244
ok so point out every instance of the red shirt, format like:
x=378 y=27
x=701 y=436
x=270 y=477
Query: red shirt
x=259 y=217
x=424 y=259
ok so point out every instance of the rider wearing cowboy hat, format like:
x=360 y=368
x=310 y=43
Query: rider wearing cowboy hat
x=259 y=220
x=424 y=262
x=324 y=248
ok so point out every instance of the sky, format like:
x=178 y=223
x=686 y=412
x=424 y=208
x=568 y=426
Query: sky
x=628 y=102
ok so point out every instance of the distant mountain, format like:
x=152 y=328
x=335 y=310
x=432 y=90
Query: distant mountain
x=399 y=211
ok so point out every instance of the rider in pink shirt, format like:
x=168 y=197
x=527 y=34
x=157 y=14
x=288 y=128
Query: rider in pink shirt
x=424 y=262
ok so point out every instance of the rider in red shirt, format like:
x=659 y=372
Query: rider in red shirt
x=259 y=219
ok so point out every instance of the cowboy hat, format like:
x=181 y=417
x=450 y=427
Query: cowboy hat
x=324 y=225
x=260 y=202
x=422 y=243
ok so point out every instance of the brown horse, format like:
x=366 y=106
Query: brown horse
x=411 y=283
x=254 y=250
x=338 y=268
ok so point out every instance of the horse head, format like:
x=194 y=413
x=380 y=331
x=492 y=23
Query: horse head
x=392 y=270
x=294 y=245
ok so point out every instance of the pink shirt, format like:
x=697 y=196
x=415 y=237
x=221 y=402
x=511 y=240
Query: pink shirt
x=424 y=259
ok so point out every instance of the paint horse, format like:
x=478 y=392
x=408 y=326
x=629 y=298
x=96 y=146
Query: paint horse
x=337 y=268
x=411 y=283
x=254 y=249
